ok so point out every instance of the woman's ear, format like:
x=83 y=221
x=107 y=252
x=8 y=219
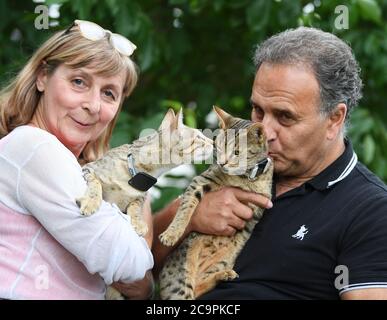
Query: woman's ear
x=41 y=79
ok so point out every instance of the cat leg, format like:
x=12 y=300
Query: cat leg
x=91 y=200
x=183 y=215
x=134 y=210
x=209 y=282
x=217 y=258
x=178 y=276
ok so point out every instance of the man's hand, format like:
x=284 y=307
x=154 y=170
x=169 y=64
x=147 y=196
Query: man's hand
x=218 y=213
x=138 y=290
x=225 y=211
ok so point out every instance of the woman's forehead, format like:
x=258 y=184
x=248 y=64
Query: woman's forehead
x=94 y=73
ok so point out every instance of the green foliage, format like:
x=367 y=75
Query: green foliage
x=197 y=53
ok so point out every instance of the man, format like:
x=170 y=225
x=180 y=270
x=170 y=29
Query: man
x=326 y=235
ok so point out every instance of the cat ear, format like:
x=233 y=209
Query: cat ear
x=168 y=120
x=179 y=119
x=256 y=131
x=223 y=117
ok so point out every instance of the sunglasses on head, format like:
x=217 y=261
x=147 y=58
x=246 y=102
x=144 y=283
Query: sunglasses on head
x=94 y=32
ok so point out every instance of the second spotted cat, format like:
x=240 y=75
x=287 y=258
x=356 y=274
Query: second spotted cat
x=201 y=261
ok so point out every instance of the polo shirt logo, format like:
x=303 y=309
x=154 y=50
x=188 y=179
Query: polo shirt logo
x=300 y=233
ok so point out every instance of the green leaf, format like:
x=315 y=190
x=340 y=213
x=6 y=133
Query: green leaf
x=50 y=2
x=175 y=105
x=152 y=122
x=190 y=118
x=146 y=54
x=370 y=10
x=238 y=103
x=257 y=14
x=177 y=2
x=167 y=195
x=369 y=149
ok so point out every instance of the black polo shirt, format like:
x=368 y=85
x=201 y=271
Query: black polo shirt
x=303 y=245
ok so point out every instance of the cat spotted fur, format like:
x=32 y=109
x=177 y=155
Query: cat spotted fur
x=201 y=261
x=107 y=178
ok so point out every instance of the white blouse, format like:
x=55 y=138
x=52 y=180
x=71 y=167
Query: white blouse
x=39 y=182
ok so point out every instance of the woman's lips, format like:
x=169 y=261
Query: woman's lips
x=82 y=124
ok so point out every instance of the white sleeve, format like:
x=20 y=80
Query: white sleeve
x=105 y=242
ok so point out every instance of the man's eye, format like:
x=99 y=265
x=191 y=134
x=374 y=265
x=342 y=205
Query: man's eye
x=258 y=113
x=286 y=118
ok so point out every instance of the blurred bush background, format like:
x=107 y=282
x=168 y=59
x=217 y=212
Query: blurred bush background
x=197 y=53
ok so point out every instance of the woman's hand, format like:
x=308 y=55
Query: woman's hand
x=137 y=290
x=225 y=211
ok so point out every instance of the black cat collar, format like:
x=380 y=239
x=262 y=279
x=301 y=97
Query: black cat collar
x=260 y=167
x=141 y=181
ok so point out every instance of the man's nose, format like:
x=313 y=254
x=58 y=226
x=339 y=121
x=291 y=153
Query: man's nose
x=269 y=129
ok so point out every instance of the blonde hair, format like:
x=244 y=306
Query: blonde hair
x=18 y=101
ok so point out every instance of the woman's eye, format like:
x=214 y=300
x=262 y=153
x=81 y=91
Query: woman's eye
x=110 y=94
x=78 y=82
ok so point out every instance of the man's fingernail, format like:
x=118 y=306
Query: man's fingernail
x=269 y=204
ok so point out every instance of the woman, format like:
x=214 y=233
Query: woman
x=58 y=113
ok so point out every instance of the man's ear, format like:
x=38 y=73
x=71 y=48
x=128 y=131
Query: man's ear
x=41 y=79
x=336 y=121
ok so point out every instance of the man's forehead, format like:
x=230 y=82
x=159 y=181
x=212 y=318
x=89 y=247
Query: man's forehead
x=284 y=81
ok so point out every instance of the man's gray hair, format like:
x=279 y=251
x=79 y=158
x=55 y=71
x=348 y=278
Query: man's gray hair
x=330 y=58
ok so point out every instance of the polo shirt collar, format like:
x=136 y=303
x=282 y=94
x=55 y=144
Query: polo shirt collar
x=337 y=171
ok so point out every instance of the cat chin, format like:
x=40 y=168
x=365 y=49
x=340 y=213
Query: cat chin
x=234 y=171
x=203 y=156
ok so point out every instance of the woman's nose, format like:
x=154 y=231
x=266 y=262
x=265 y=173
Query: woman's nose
x=92 y=103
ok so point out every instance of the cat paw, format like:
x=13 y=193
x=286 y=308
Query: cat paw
x=140 y=227
x=168 y=239
x=88 y=206
x=113 y=294
x=229 y=275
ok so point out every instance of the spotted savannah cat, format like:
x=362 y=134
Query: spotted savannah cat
x=123 y=177
x=201 y=261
